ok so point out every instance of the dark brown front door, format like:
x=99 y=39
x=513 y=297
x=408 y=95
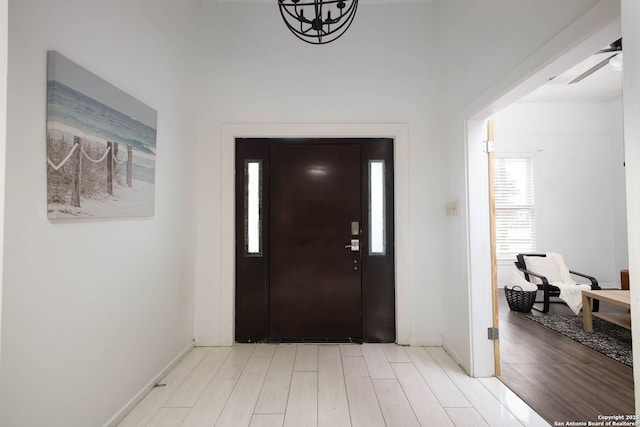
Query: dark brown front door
x=315 y=280
x=299 y=203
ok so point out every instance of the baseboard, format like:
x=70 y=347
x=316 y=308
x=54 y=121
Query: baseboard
x=122 y=413
x=455 y=357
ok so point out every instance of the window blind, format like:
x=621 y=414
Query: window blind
x=514 y=204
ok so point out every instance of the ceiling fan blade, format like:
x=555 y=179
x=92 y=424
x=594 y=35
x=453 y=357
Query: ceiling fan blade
x=616 y=46
x=592 y=69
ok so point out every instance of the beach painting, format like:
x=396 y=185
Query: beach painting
x=101 y=146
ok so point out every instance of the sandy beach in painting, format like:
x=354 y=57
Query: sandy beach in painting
x=125 y=201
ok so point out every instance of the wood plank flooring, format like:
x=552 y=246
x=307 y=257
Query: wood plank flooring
x=308 y=385
x=561 y=379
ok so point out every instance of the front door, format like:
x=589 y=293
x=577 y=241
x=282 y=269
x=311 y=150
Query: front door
x=315 y=289
x=314 y=240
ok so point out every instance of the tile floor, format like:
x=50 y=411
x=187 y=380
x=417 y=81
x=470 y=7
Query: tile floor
x=306 y=385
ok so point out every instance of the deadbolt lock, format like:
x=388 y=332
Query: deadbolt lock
x=355 y=228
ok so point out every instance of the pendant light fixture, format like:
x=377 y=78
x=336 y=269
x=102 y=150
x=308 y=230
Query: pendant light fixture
x=318 y=21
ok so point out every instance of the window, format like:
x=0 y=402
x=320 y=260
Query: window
x=514 y=202
x=377 y=230
x=253 y=207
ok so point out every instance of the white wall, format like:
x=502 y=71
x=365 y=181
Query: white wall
x=94 y=309
x=578 y=178
x=381 y=71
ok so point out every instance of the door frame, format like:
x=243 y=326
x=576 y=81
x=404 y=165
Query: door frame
x=224 y=302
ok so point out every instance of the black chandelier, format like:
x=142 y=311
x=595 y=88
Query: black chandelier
x=318 y=21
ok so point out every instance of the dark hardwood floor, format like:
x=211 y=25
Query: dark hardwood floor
x=562 y=380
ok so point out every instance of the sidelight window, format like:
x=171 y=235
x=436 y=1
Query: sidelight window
x=377 y=226
x=253 y=207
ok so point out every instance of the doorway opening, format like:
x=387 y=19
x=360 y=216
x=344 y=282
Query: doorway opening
x=484 y=355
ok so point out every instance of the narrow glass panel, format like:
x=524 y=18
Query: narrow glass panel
x=253 y=207
x=377 y=231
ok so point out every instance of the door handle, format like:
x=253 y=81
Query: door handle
x=354 y=246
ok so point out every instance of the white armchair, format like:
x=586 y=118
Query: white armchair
x=553 y=278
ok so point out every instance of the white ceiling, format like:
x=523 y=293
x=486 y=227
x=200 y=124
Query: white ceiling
x=603 y=85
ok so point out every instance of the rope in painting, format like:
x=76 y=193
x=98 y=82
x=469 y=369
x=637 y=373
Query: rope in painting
x=115 y=158
x=66 y=159
x=98 y=160
x=87 y=156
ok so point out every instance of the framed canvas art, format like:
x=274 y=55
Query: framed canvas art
x=101 y=146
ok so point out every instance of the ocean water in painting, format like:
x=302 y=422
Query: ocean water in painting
x=76 y=110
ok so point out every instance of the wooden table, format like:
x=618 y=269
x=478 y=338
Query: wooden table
x=619 y=298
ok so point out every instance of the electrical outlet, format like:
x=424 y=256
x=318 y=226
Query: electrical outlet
x=452 y=208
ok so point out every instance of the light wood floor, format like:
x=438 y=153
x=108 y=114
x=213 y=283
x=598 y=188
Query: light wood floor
x=306 y=385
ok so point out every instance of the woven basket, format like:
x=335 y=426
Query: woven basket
x=520 y=300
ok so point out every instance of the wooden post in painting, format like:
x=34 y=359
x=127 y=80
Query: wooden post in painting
x=115 y=156
x=76 y=175
x=129 y=164
x=110 y=168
